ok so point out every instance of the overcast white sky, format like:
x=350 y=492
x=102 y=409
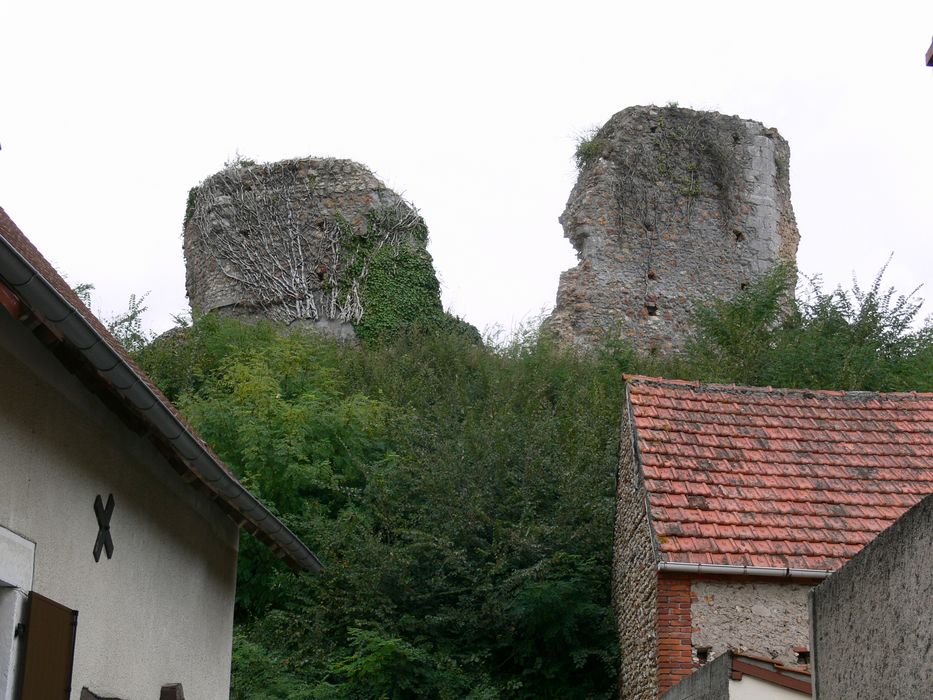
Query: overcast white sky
x=110 y=111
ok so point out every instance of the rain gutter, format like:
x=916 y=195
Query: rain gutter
x=733 y=570
x=67 y=322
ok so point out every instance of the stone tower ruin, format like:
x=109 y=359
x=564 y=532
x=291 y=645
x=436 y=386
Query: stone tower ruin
x=672 y=208
x=315 y=241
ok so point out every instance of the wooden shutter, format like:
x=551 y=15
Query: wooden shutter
x=50 y=648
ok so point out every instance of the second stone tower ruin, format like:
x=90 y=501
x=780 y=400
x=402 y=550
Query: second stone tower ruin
x=672 y=208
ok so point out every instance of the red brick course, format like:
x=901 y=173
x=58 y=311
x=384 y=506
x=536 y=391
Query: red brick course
x=674 y=631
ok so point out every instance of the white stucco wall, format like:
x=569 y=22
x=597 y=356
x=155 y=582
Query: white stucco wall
x=751 y=688
x=161 y=611
x=16 y=563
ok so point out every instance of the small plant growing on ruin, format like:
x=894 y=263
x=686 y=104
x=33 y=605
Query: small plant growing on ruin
x=589 y=147
x=190 y=205
x=239 y=161
x=781 y=166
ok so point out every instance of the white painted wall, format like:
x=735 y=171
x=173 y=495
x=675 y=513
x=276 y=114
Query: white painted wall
x=161 y=611
x=16 y=564
x=751 y=688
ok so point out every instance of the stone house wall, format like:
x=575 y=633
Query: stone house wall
x=759 y=616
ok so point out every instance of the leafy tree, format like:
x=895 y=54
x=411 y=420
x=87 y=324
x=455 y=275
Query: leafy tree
x=454 y=494
x=127 y=326
x=862 y=339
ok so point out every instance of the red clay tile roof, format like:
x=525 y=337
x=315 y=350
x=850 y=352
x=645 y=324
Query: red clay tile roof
x=785 y=478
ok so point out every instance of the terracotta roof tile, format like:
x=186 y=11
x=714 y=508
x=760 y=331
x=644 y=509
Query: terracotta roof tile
x=777 y=477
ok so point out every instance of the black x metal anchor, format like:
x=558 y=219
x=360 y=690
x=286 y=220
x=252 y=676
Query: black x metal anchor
x=103 y=514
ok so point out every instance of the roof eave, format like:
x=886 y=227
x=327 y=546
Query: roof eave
x=66 y=322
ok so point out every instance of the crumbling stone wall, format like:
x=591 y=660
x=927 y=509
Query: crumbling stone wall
x=310 y=241
x=672 y=207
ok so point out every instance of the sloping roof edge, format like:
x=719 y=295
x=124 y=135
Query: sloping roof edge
x=639 y=476
x=769 y=670
x=36 y=283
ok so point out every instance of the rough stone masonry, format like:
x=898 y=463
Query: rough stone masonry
x=309 y=242
x=672 y=208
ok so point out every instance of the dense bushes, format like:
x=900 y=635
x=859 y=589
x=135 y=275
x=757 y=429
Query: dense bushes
x=461 y=496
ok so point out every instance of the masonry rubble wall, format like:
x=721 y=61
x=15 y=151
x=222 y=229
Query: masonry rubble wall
x=672 y=208
x=872 y=621
x=634 y=580
x=767 y=618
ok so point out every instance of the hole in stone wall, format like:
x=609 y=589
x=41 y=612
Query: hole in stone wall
x=652 y=275
x=739 y=236
x=803 y=655
x=702 y=655
x=735 y=138
x=652 y=308
x=743 y=286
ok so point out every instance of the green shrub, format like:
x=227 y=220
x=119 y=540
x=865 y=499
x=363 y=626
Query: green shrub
x=589 y=147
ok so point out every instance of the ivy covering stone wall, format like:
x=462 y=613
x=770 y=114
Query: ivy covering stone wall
x=315 y=241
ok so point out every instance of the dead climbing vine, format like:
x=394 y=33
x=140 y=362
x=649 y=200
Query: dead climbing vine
x=254 y=223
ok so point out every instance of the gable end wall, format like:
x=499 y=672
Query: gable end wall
x=634 y=578
x=161 y=610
